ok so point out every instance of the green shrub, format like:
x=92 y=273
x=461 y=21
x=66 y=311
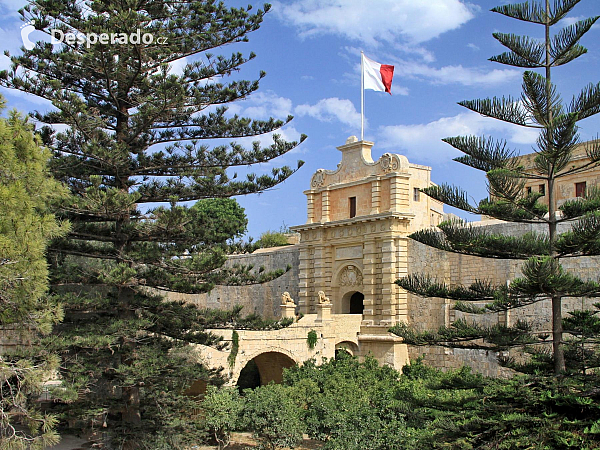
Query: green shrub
x=273 y=416
x=223 y=409
x=272 y=239
x=312 y=339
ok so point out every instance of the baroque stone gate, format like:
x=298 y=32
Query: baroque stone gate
x=354 y=244
x=352 y=249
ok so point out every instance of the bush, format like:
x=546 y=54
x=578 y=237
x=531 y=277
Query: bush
x=223 y=409
x=272 y=239
x=272 y=415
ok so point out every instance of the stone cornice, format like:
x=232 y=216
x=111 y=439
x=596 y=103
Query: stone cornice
x=354 y=220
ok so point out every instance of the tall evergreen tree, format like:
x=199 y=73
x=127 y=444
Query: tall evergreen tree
x=26 y=311
x=539 y=107
x=132 y=151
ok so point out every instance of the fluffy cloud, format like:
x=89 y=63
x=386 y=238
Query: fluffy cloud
x=422 y=142
x=262 y=105
x=458 y=74
x=371 y=23
x=329 y=109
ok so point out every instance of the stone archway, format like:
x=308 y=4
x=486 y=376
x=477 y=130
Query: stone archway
x=264 y=368
x=353 y=302
x=346 y=346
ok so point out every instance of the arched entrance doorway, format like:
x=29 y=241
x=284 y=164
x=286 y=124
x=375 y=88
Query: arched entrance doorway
x=356 y=303
x=263 y=369
x=353 y=303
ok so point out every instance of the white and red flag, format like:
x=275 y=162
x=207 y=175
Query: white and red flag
x=377 y=76
x=373 y=76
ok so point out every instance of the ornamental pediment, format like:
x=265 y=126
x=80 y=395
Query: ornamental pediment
x=357 y=164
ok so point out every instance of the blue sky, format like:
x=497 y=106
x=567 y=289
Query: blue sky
x=310 y=50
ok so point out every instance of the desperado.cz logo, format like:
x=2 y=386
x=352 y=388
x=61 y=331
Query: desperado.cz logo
x=59 y=37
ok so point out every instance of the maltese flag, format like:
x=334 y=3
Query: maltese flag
x=377 y=76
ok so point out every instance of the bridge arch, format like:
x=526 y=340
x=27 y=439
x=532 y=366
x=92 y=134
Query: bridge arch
x=263 y=367
x=347 y=346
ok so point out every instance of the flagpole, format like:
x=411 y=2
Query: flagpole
x=362 y=97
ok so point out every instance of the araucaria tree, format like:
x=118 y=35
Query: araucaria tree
x=131 y=149
x=539 y=107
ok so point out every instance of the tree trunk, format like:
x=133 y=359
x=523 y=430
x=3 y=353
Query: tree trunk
x=557 y=332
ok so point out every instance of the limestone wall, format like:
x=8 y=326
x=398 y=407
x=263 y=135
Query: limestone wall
x=423 y=313
x=263 y=299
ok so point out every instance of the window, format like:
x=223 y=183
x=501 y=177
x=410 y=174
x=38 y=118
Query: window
x=416 y=194
x=580 y=189
x=528 y=189
x=352 y=205
x=542 y=189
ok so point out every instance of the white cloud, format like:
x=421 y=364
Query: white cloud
x=373 y=23
x=422 y=142
x=329 y=109
x=262 y=105
x=458 y=74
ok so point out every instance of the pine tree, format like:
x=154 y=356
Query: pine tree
x=540 y=107
x=133 y=150
x=26 y=311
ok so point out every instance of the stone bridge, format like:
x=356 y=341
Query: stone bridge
x=269 y=352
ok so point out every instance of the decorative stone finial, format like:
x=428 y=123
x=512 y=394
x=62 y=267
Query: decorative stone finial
x=351 y=139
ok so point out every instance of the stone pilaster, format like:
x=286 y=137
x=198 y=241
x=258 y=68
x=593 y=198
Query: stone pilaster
x=325 y=207
x=375 y=196
x=401 y=271
x=310 y=207
x=304 y=282
x=369 y=281
x=387 y=315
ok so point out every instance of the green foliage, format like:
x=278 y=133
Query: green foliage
x=26 y=225
x=311 y=339
x=272 y=239
x=235 y=346
x=222 y=409
x=273 y=416
x=498 y=337
x=352 y=405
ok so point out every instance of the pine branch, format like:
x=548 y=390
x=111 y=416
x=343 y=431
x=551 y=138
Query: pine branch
x=462 y=334
x=505 y=109
x=459 y=237
x=540 y=103
x=525 y=52
x=564 y=46
x=587 y=103
x=579 y=206
x=451 y=196
x=482 y=153
x=583 y=238
x=523 y=210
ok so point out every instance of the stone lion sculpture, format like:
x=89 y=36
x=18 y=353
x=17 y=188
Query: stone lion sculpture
x=286 y=299
x=323 y=299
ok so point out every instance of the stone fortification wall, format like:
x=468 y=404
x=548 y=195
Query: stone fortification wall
x=423 y=313
x=263 y=299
